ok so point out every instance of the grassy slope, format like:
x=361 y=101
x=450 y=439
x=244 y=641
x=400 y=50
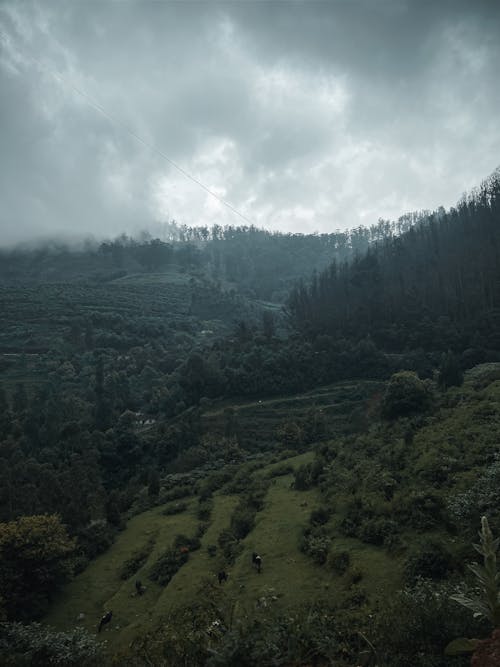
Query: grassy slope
x=462 y=434
x=288 y=575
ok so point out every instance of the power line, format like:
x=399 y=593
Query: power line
x=116 y=121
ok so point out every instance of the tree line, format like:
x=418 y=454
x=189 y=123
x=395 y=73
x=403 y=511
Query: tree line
x=435 y=287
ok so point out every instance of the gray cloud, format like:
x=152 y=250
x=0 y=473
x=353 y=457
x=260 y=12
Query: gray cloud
x=304 y=115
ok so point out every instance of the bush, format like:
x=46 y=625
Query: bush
x=315 y=542
x=95 y=539
x=189 y=543
x=421 y=510
x=133 y=564
x=242 y=522
x=378 y=531
x=405 y=395
x=355 y=515
x=215 y=481
x=431 y=562
x=414 y=626
x=167 y=566
x=229 y=545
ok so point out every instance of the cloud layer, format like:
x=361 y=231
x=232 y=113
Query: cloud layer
x=304 y=115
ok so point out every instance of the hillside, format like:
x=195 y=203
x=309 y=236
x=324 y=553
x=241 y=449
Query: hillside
x=276 y=536
x=341 y=527
x=161 y=419
x=434 y=288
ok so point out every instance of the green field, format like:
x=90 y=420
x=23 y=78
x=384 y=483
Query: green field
x=288 y=579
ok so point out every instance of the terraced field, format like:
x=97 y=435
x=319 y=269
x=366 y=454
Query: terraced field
x=343 y=405
x=288 y=578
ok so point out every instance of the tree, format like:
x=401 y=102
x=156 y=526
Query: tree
x=405 y=394
x=450 y=371
x=154 y=484
x=34 y=554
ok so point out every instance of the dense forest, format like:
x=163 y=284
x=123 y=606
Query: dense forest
x=138 y=372
x=256 y=262
x=435 y=287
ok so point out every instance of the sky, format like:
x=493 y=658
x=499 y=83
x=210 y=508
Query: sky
x=304 y=116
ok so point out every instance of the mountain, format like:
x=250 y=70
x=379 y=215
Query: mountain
x=169 y=406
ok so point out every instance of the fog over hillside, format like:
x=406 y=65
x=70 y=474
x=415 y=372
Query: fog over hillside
x=304 y=116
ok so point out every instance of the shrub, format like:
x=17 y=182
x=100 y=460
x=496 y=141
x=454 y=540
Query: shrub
x=378 y=531
x=431 y=562
x=405 y=394
x=95 y=539
x=167 y=566
x=354 y=516
x=184 y=542
x=487 y=604
x=421 y=510
x=215 y=481
x=413 y=627
x=315 y=542
x=242 y=522
x=136 y=561
x=229 y=545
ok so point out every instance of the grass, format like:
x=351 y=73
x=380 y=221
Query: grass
x=288 y=579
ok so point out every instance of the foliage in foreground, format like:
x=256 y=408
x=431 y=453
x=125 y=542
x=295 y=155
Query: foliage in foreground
x=413 y=629
x=218 y=632
x=487 y=603
x=34 y=554
x=38 y=646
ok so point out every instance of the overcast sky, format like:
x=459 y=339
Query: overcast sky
x=305 y=116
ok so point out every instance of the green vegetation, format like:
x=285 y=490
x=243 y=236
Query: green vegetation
x=163 y=418
x=34 y=554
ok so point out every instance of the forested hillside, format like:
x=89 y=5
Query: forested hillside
x=436 y=287
x=256 y=262
x=172 y=377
